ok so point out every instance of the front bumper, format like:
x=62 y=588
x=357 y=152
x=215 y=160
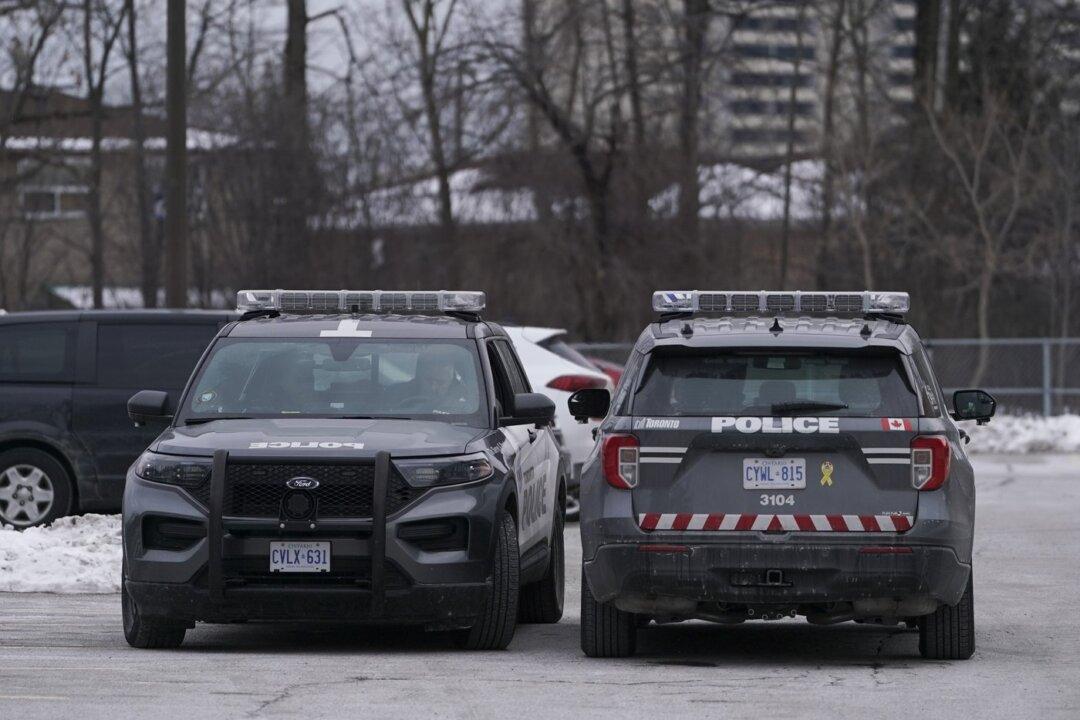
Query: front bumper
x=681 y=578
x=376 y=574
x=434 y=606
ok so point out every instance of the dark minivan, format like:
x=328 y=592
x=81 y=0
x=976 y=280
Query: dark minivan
x=65 y=378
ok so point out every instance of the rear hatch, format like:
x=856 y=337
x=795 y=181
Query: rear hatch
x=775 y=441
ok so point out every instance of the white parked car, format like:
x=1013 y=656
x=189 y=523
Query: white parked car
x=558 y=370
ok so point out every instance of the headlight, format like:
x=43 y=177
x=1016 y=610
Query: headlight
x=173 y=470
x=429 y=472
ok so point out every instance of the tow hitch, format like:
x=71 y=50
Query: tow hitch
x=768 y=578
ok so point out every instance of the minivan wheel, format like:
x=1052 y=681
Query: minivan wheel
x=34 y=488
x=146 y=633
x=948 y=633
x=542 y=601
x=606 y=631
x=497 y=621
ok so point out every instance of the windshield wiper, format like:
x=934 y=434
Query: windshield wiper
x=203 y=420
x=366 y=417
x=797 y=405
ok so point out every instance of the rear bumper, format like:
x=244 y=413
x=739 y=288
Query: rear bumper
x=436 y=606
x=679 y=578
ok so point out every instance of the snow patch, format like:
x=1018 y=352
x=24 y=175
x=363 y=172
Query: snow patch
x=75 y=555
x=1023 y=434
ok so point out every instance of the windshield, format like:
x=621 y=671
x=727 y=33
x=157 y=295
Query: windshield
x=340 y=377
x=845 y=384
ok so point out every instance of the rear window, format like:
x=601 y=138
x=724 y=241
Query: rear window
x=147 y=356
x=845 y=384
x=43 y=352
x=557 y=344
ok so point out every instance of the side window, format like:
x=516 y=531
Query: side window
x=621 y=402
x=929 y=389
x=145 y=356
x=516 y=376
x=498 y=372
x=37 y=352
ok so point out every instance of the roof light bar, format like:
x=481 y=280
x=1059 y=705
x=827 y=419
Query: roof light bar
x=308 y=302
x=769 y=302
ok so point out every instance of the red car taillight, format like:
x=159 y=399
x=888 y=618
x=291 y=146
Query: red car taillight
x=573 y=383
x=620 y=461
x=929 y=461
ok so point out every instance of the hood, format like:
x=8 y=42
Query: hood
x=316 y=438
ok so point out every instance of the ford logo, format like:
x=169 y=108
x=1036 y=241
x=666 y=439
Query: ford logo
x=302 y=483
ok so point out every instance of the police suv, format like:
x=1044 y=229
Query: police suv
x=362 y=456
x=773 y=454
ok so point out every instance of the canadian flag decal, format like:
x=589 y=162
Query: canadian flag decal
x=895 y=424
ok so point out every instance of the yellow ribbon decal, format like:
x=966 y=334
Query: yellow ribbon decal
x=826 y=473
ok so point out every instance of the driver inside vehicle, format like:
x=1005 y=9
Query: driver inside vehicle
x=436 y=386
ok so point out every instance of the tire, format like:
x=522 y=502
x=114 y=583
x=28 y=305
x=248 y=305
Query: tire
x=948 y=633
x=147 y=633
x=606 y=631
x=542 y=601
x=26 y=476
x=495 y=625
x=573 y=506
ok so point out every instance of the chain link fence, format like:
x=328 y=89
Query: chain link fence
x=1026 y=375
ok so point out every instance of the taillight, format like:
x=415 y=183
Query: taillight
x=929 y=461
x=573 y=383
x=621 y=461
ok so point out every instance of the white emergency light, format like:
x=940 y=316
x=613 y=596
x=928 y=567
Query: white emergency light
x=307 y=302
x=769 y=302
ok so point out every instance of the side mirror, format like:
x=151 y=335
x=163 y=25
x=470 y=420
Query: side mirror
x=147 y=406
x=531 y=409
x=977 y=405
x=591 y=403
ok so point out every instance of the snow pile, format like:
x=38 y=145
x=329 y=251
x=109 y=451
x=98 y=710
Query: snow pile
x=1026 y=434
x=79 y=554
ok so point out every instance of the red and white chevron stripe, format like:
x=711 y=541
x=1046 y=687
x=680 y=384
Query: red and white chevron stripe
x=900 y=522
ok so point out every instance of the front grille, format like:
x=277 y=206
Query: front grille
x=201 y=492
x=345 y=491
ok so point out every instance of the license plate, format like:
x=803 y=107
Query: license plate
x=774 y=473
x=299 y=557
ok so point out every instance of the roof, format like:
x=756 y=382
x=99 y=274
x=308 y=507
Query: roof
x=53 y=120
x=115 y=315
x=389 y=326
x=797 y=332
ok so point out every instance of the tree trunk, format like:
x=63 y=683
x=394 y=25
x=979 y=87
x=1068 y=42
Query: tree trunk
x=93 y=195
x=927 y=32
x=789 y=160
x=982 y=314
x=295 y=177
x=696 y=14
x=148 y=247
x=836 y=28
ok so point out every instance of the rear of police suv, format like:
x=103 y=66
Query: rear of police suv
x=763 y=464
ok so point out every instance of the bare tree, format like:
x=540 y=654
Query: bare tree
x=101 y=28
x=430 y=22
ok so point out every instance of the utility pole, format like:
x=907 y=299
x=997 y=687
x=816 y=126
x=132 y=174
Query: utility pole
x=176 y=243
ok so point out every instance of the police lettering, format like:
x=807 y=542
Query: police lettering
x=805 y=425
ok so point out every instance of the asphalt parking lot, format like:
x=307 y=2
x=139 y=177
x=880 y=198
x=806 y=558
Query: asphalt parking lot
x=64 y=656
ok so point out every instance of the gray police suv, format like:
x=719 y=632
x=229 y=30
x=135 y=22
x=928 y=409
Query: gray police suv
x=361 y=456
x=773 y=454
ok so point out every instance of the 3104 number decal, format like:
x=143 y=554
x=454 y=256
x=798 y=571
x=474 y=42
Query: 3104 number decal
x=777 y=500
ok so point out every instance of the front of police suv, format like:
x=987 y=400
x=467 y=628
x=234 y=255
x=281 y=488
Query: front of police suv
x=320 y=467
